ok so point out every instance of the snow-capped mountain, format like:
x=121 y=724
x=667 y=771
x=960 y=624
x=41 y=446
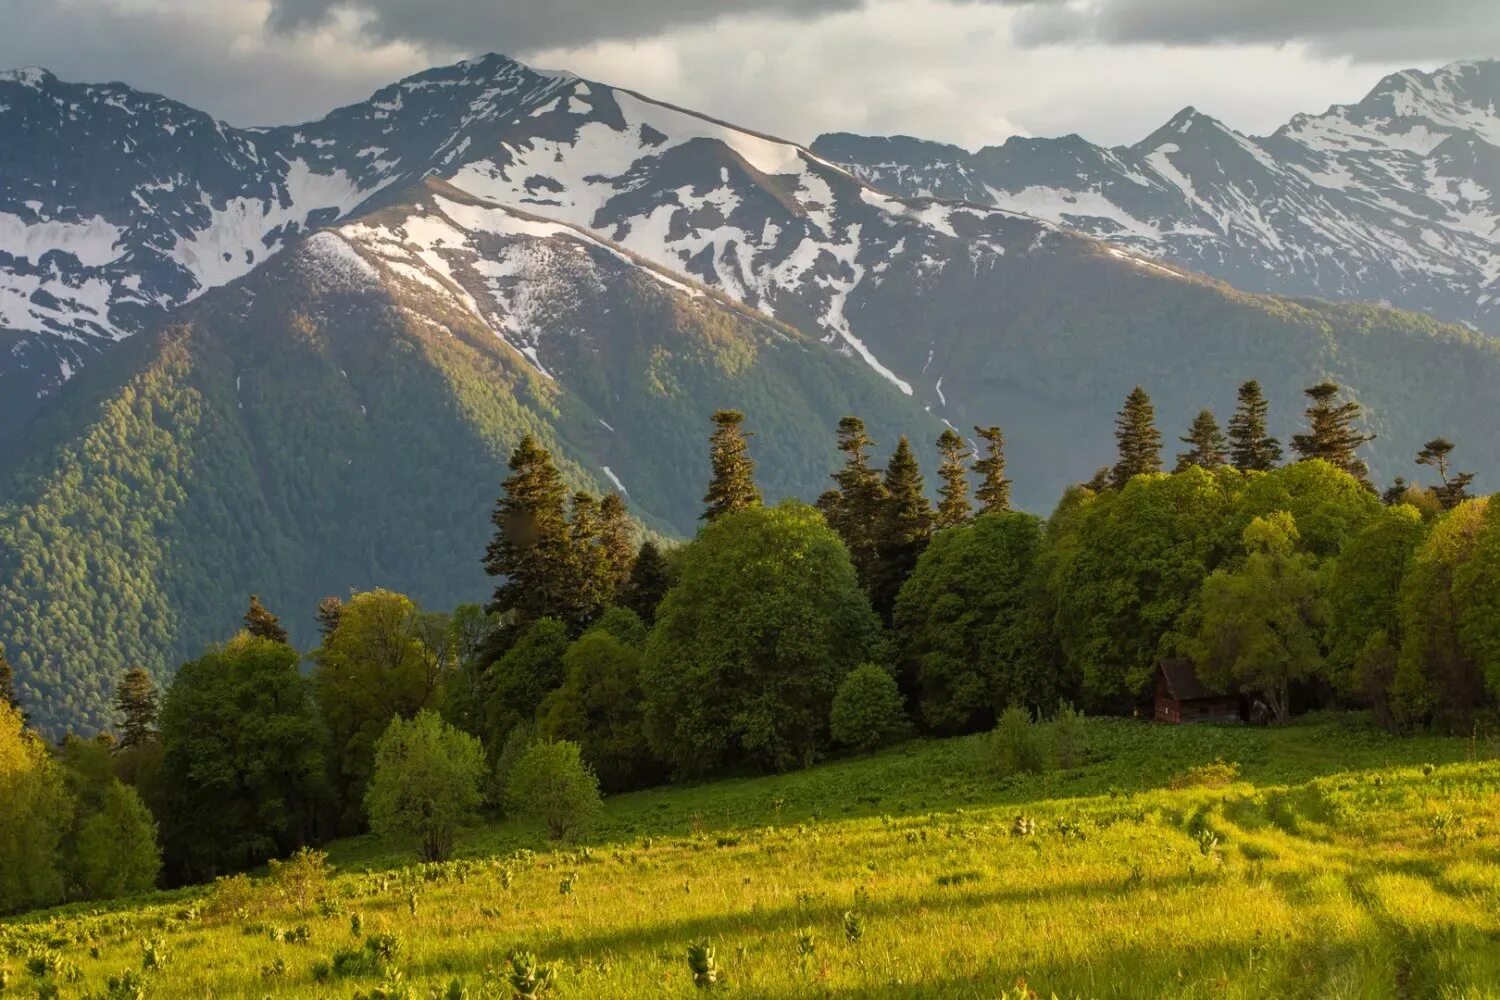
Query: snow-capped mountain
x=1395 y=199
x=116 y=206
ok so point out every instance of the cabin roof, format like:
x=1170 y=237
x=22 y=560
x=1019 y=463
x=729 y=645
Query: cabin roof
x=1180 y=679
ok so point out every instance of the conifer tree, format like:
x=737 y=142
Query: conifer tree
x=854 y=509
x=135 y=700
x=531 y=547
x=1103 y=477
x=733 y=485
x=1450 y=491
x=1332 y=433
x=994 y=488
x=590 y=587
x=954 y=507
x=260 y=623
x=1396 y=492
x=617 y=544
x=905 y=528
x=1206 y=443
x=649 y=580
x=1139 y=440
x=1251 y=449
x=330 y=611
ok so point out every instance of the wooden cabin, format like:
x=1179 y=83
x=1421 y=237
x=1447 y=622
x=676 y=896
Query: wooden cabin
x=1182 y=697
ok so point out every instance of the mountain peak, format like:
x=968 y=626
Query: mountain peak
x=35 y=77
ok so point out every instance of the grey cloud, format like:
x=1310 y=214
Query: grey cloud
x=513 y=26
x=1361 y=29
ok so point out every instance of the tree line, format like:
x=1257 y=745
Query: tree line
x=779 y=634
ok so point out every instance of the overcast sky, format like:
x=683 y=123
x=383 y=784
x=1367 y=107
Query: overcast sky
x=966 y=71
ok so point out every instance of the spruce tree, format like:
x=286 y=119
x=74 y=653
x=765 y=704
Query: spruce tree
x=618 y=544
x=135 y=700
x=590 y=588
x=954 y=507
x=1206 y=441
x=733 y=486
x=1139 y=440
x=1332 y=433
x=1450 y=491
x=649 y=580
x=1251 y=449
x=994 y=488
x=905 y=528
x=1396 y=492
x=329 y=613
x=8 y=694
x=260 y=623
x=1102 y=479
x=531 y=547
x=853 y=510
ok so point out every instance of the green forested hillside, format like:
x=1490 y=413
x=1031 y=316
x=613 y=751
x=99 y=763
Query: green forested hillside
x=296 y=436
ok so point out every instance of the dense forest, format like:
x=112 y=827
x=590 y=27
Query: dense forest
x=605 y=661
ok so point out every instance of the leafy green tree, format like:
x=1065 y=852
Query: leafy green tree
x=868 y=710
x=551 y=783
x=994 y=489
x=1453 y=487
x=1333 y=434
x=515 y=686
x=954 y=508
x=1362 y=588
x=135 y=700
x=1206 y=443
x=531 y=550
x=427 y=782
x=650 y=578
x=905 y=528
x=1476 y=586
x=1127 y=567
x=752 y=641
x=1260 y=628
x=243 y=768
x=1439 y=678
x=732 y=487
x=1138 y=439
x=35 y=809
x=854 y=508
x=599 y=705
x=1251 y=448
x=372 y=668
x=260 y=623
x=115 y=850
x=970 y=625
x=1329 y=505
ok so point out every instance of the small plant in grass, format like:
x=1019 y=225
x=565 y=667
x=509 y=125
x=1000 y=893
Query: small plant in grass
x=1208 y=843
x=128 y=985
x=1023 y=826
x=1017 y=745
x=807 y=945
x=703 y=964
x=527 y=978
x=392 y=987
x=153 y=955
x=455 y=990
x=274 y=970
x=854 y=926
x=565 y=887
x=356 y=925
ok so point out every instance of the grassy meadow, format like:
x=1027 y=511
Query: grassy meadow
x=1337 y=862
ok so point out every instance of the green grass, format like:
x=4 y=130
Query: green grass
x=1341 y=863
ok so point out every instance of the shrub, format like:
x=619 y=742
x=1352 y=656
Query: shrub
x=1018 y=745
x=426 y=782
x=552 y=783
x=302 y=878
x=116 y=852
x=868 y=710
x=1215 y=775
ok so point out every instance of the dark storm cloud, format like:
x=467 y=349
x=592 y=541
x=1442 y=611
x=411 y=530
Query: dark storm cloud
x=523 y=25
x=1360 y=29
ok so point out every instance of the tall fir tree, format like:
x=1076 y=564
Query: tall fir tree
x=649 y=581
x=1251 y=449
x=1452 y=489
x=733 y=486
x=1396 y=492
x=854 y=509
x=616 y=539
x=531 y=547
x=260 y=623
x=1138 y=439
x=1333 y=433
x=8 y=693
x=994 y=489
x=905 y=528
x=136 y=701
x=954 y=507
x=1206 y=443
x=330 y=612
x=590 y=589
